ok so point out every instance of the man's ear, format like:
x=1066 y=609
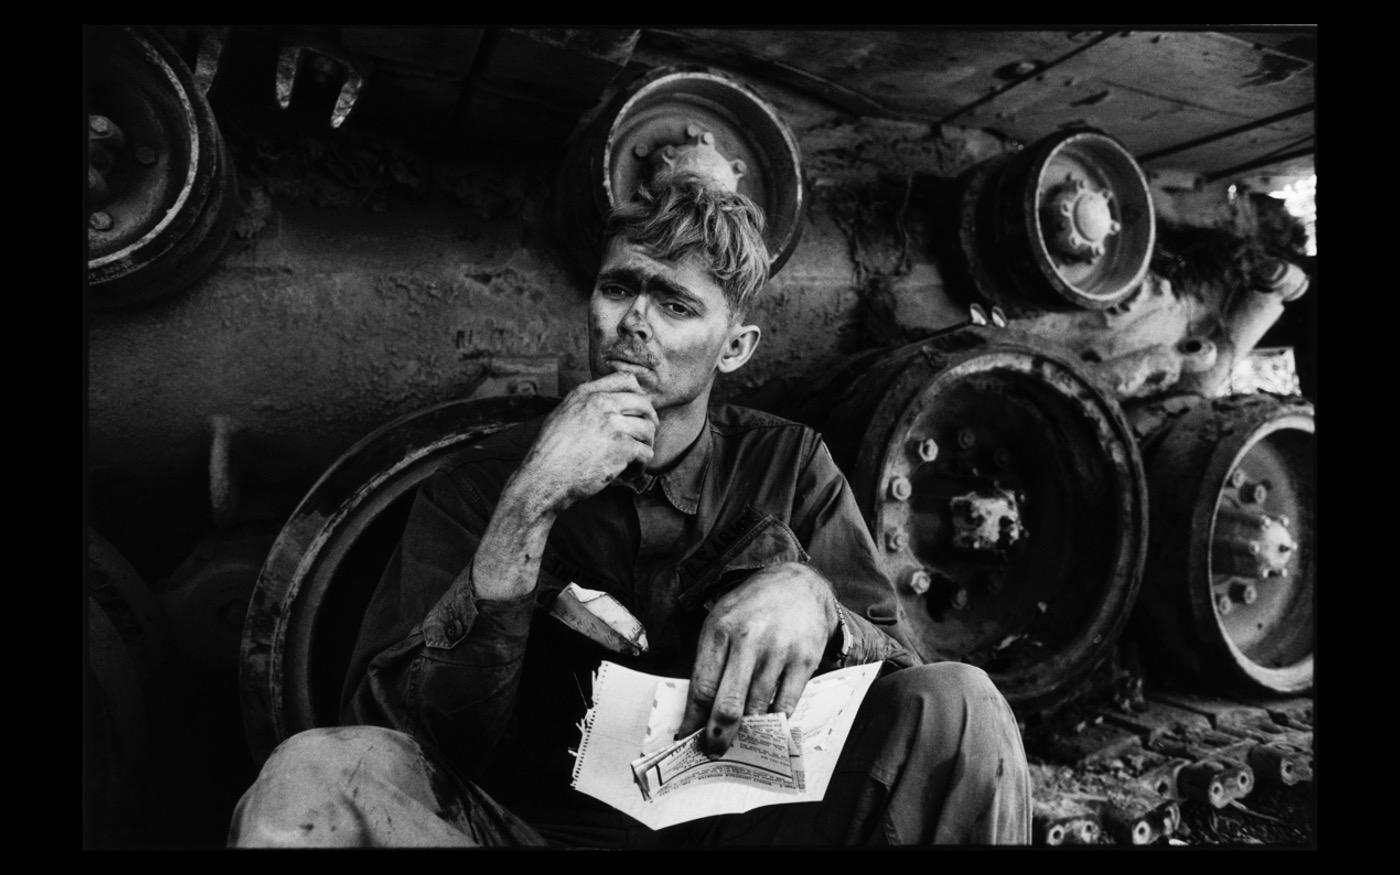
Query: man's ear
x=739 y=348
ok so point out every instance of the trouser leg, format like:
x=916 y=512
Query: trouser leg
x=366 y=786
x=934 y=757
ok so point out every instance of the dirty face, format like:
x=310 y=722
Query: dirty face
x=664 y=321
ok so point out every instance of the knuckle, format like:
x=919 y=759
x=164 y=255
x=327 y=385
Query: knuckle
x=727 y=710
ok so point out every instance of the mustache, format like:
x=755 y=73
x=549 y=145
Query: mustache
x=630 y=352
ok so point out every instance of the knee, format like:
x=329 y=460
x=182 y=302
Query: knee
x=947 y=683
x=333 y=744
x=302 y=795
x=956 y=698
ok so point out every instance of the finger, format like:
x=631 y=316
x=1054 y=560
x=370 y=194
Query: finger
x=795 y=677
x=763 y=687
x=710 y=655
x=643 y=430
x=730 y=698
x=635 y=405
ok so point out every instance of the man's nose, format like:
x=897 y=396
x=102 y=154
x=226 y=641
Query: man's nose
x=637 y=319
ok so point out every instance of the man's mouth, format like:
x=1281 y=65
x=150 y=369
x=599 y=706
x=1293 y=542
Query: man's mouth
x=625 y=363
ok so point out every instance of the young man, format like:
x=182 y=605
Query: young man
x=730 y=534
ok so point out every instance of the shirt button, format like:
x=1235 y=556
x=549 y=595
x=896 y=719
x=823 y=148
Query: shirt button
x=452 y=629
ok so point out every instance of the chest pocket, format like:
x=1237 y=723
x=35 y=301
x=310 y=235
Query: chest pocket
x=730 y=554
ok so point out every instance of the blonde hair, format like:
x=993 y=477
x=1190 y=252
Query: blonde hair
x=682 y=216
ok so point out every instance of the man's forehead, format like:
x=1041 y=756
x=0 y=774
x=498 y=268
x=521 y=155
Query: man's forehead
x=691 y=271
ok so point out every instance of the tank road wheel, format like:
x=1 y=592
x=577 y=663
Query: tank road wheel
x=1006 y=496
x=305 y=609
x=1228 y=596
x=672 y=119
x=1067 y=221
x=161 y=187
x=125 y=656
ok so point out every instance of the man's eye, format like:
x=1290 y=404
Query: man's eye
x=613 y=291
x=677 y=309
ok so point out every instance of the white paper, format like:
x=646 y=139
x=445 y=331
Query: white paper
x=635 y=714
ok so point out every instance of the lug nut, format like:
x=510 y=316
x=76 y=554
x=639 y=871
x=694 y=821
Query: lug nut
x=1224 y=604
x=739 y=167
x=692 y=130
x=641 y=150
x=900 y=488
x=919 y=582
x=960 y=599
x=1237 y=479
x=707 y=138
x=1243 y=593
x=928 y=449
x=1253 y=493
x=998 y=317
x=145 y=155
x=896 y=539
x=99 y=221
x=977 y=314
x=966 y=438
x=98 y=125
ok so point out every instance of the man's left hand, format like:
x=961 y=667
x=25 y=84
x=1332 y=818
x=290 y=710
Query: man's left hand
x=757 y=649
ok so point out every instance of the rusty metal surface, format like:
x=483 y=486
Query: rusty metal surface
x=1153 y=89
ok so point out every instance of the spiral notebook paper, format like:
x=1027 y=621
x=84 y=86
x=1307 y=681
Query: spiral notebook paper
x=627 y=756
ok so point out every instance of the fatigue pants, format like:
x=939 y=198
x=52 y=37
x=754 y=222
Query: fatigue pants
x=934 y=756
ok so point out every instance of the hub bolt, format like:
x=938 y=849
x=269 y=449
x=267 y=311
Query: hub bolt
x=641 y=150
x=1243 y=593
x=919 y=581
x=900 y=488
x=1224 y=604
x=1237 y=479
x=928 y=449
x=896 y=539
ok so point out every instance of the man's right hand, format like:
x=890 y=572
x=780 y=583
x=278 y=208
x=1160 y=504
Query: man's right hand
x=599 y=429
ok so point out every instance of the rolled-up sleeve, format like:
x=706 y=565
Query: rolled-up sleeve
x=431 y=658
x=828 y=521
